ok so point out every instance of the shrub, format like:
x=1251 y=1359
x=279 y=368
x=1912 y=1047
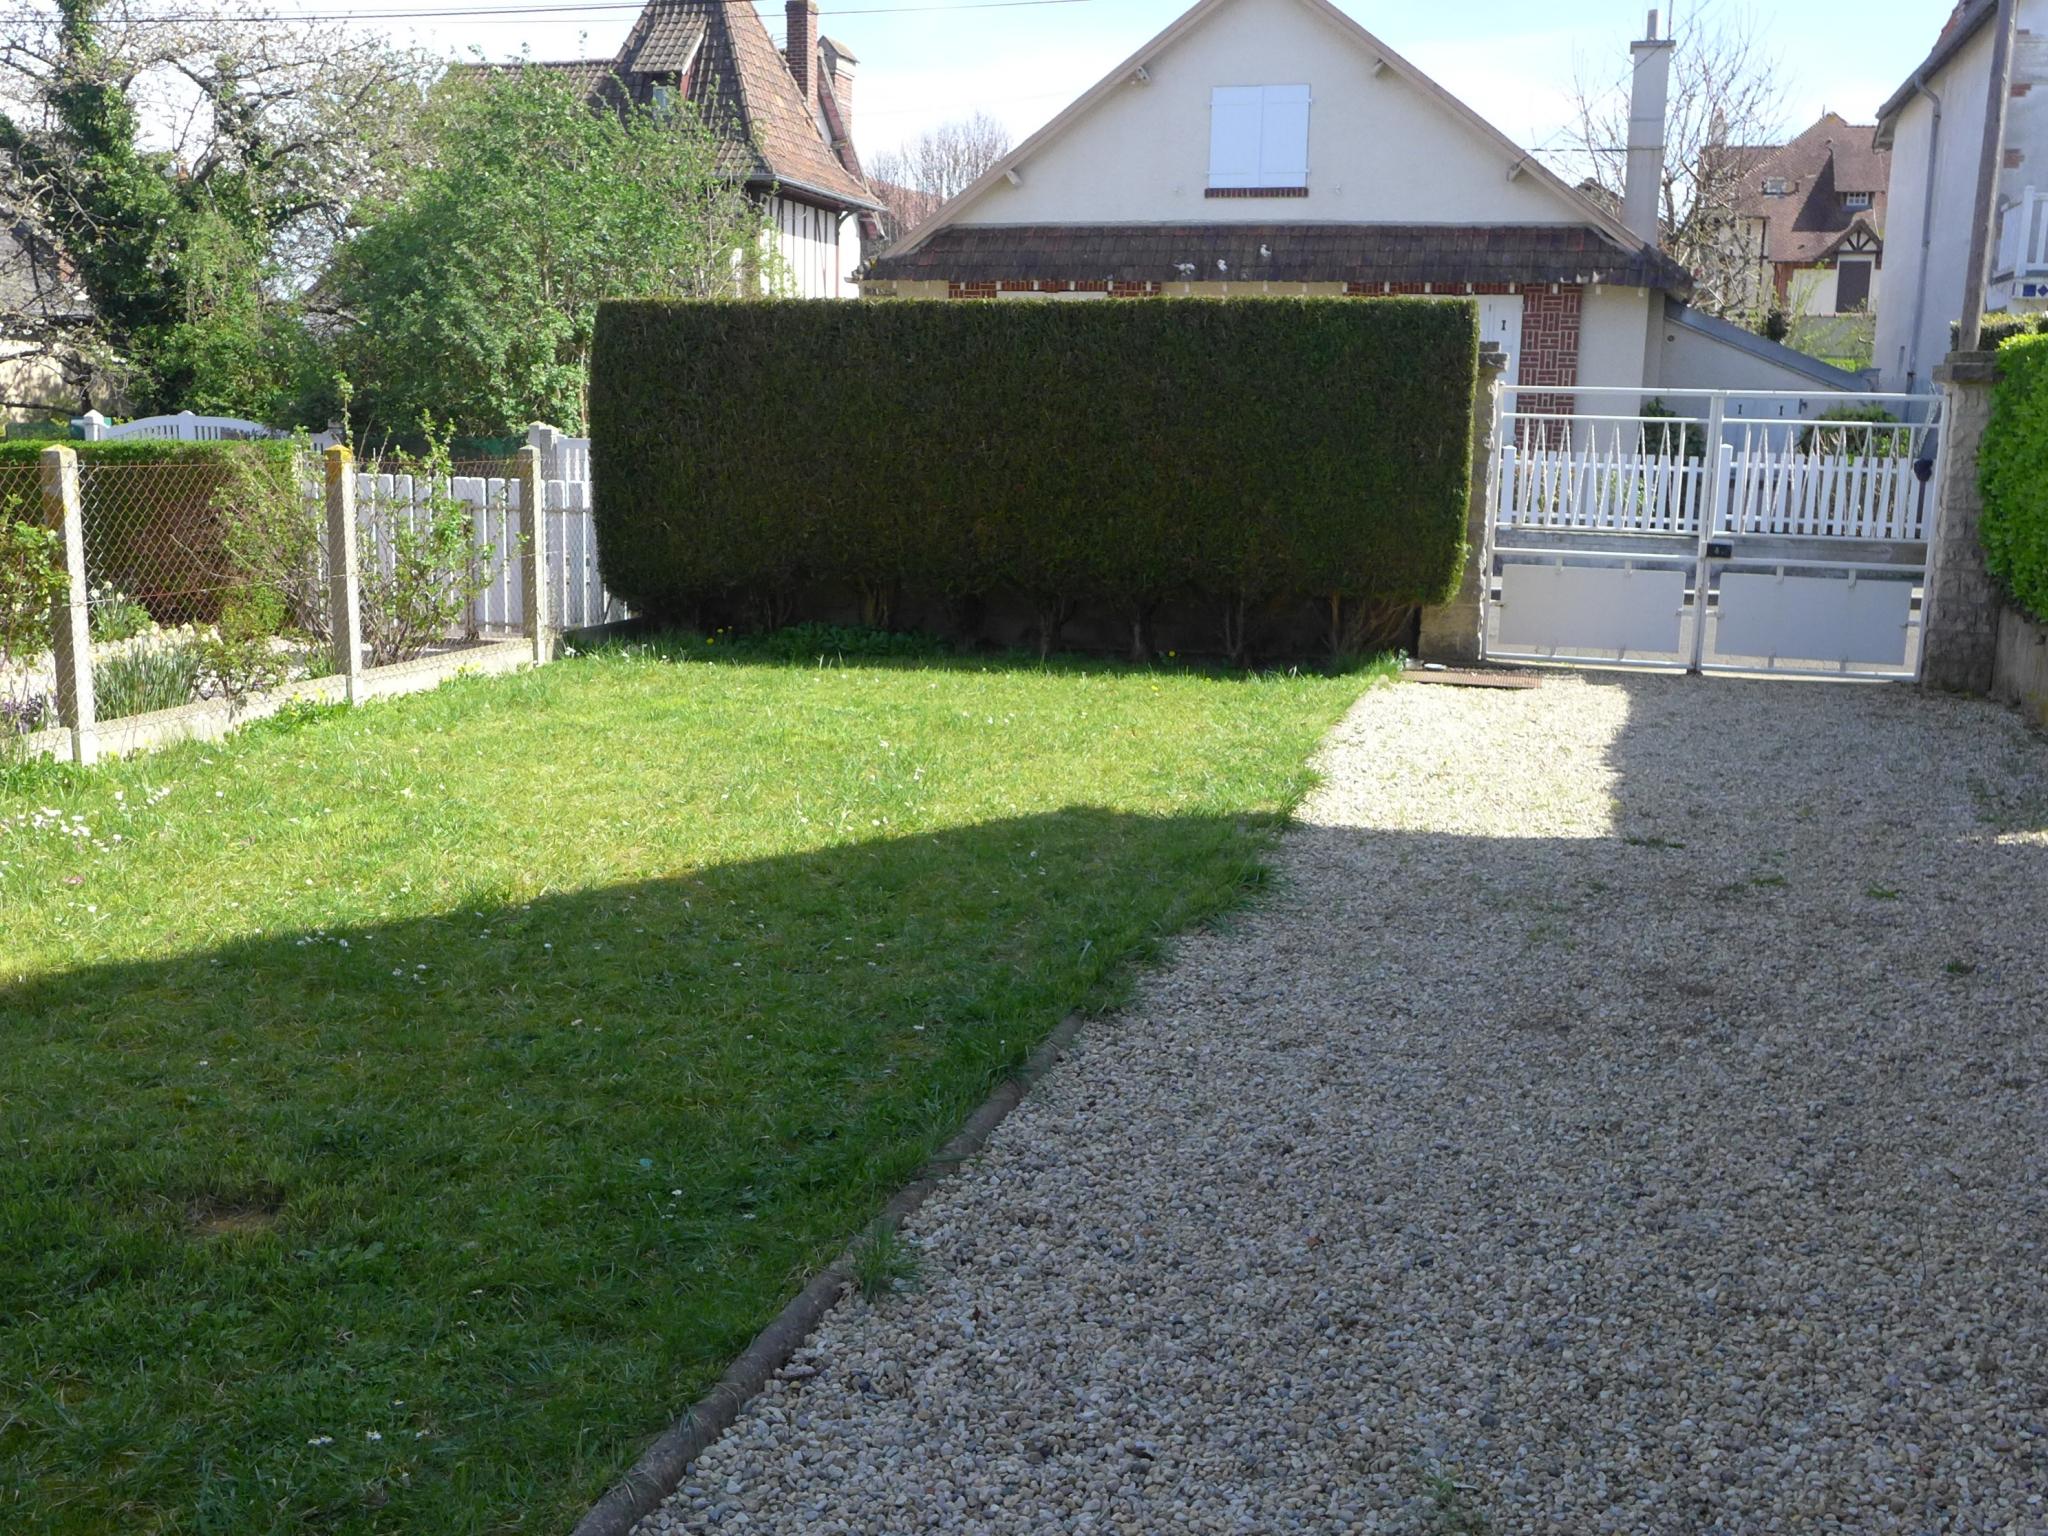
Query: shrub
x=241 y=656
x=1113 y=453
x=1853 y=443
x=431 y=567
x=1685 y=439
x=1997 y=329
x=116 y=615
x=2013 y=470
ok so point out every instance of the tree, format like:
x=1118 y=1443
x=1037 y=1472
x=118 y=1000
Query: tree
x=195 y=174
x=1726 y=92
x=914 y=180
x=470 y=296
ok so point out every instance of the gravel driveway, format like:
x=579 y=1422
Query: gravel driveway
x=1629 y=1113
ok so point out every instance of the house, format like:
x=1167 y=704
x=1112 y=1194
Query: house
x=1278 y=147
x=46 y=323
x=785 y=117
x=1933 y=126
x=1811 y=213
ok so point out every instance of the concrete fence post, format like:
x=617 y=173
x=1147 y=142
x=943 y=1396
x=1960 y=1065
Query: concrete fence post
x=548 y=440
x=71 y=618
x=1454 y=632
x=1959 y=638
x=533 y=568
x=344 y=581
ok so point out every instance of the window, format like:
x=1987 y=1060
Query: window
x=1776 y=186
x=664 y=102
x=1855 y=199
x=1258 y=137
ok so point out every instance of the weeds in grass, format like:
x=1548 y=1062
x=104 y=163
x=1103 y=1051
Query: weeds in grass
x=1636 y=841
x=883 y=1263
x=1450 y=1507
x=1881 y=893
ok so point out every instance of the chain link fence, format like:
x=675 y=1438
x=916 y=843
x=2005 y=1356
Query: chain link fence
x=209 y=585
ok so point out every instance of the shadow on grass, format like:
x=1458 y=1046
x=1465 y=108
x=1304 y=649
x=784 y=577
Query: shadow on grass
x=426 y=1226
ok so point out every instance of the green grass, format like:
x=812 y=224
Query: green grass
x=405 y=1112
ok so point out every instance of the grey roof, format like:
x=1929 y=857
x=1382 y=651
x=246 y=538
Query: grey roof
x=1288 y=253
x=1826 y=375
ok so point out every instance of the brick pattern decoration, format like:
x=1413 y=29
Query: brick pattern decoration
x=1255 y=192
x=1114 y=290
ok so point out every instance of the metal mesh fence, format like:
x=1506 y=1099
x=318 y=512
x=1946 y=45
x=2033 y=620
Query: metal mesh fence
x=203 y=581
x=30 y=558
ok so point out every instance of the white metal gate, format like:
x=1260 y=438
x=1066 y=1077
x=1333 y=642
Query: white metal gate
x=1743 y=534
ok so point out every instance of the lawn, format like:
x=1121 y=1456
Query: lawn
x=406 y=1112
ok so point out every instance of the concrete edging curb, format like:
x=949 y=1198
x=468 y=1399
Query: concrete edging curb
x=660 y=1469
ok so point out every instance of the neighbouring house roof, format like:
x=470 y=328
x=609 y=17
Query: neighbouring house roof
x=717 y=54
x=38 y=285
x=1776 y=353
x=1963 y=24
x=1809 y=221
x=1601 y=226
x=1281 y=253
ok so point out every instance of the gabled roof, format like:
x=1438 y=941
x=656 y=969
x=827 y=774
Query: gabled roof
x=1525 y=164
x=1807 y=223
x=720 y=52
x=1963 y=24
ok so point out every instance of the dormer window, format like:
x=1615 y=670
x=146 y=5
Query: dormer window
x=663 y=100
x=1776 y=186
x=1855 y=199
x=1258 y=141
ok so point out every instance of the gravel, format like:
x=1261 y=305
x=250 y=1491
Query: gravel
x=1626 y=1115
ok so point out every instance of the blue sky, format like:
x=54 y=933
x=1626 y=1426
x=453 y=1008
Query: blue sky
x=1511 y=59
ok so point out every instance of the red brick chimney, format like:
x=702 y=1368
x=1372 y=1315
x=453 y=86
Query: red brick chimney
x=801 y=50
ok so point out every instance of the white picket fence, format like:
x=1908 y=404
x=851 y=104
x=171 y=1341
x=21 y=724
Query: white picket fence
x=577 y=598
x=186 y=427
x=1630 y=474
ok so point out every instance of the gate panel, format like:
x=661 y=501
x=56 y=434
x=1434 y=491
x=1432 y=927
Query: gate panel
x=1558 y=607
x=1749 y=532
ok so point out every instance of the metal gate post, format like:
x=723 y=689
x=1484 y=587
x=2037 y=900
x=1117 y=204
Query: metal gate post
x=1710 y=523
x=1495 y=491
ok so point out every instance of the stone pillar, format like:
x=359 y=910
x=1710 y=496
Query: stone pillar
x=1451 y=633
x=1959 y=645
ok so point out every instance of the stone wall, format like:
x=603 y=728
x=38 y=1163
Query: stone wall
x=1961 y=645
x=2020 y=676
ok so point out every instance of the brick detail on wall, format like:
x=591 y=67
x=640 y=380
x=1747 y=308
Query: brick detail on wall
x=2015 y=158
x=1115 y=289
x=1255 y=192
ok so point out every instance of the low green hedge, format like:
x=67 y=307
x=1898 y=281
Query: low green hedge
x=2012 y=468
x=749 y=456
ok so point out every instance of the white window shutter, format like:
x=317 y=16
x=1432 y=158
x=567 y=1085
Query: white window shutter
x=1235 y=113
x=1283 y=137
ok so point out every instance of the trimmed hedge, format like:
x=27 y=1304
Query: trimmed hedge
x=155 y=537
x=2012 y=468
x=752 y=456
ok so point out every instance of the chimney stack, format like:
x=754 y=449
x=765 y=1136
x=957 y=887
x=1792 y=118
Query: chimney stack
x=839 y=64
x=1648 y=97
x=801 y=49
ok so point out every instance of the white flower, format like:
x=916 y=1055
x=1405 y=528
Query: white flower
x=372 y=1435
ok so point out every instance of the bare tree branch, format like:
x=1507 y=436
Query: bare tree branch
x=914 y=180
x=1727 y=89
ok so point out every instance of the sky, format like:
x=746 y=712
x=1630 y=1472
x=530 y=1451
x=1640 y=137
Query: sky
x=1513 y=60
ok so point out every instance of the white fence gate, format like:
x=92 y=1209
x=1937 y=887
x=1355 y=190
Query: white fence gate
x=1745 y=535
